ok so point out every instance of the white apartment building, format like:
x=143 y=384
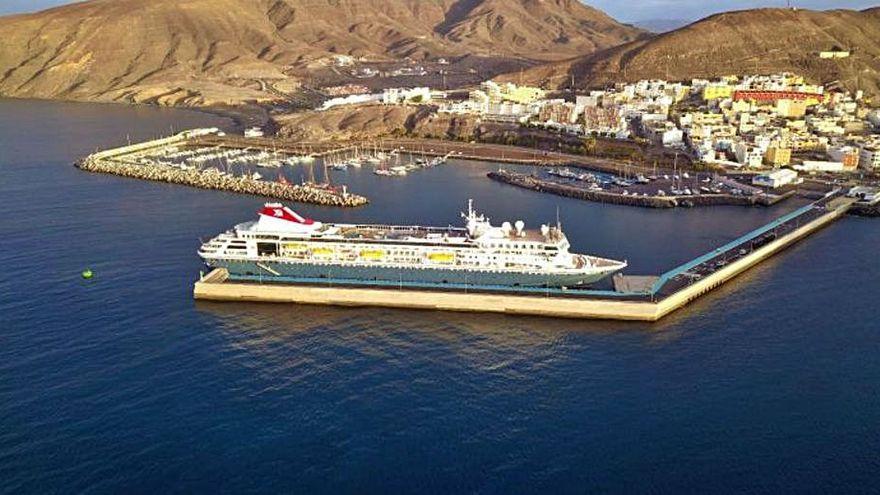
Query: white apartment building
x=749 y=155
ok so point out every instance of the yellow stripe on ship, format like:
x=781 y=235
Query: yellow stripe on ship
x=322 y=252
x=372 y=254
x=443 y=258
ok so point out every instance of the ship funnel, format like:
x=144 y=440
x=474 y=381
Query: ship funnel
x=545 y=230
x=506 y=228
x=520 y=225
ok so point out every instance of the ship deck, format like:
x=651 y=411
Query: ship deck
x=398 y=232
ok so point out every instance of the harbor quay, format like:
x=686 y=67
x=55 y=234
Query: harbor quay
x=498 y=153
x=651 y=195
x=646 y=298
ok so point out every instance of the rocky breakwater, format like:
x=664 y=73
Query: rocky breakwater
x=865 y=210
x=301 y=193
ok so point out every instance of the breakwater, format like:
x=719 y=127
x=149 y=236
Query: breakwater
x=865 y=210
x=602 y=196
x=302 y=193
x=149 y=161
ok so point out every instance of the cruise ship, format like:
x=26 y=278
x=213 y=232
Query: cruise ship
x=284 y=245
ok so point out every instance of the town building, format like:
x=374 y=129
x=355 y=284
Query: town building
x=777 y=156
x=847 y=155
x=791 y=109
x=834 y=54
x=749 y=155
x=396 y=96
x=820 y=166
x=869 y=156
x=776 y=178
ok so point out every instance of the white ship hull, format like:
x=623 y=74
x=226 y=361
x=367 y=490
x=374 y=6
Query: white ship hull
x=268 y=270
x=286 y=246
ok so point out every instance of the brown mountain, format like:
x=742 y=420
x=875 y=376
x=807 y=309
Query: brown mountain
x=752 y=41
x=198 y=52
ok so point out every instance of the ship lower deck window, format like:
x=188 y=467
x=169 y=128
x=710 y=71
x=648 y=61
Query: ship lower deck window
x=267 y=249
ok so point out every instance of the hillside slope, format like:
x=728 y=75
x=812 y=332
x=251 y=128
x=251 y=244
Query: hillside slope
x=753 y=41
x=200 y=52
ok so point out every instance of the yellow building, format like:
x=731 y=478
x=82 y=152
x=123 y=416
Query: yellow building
x=741 y=106
x=794 y=80
x=717 y=91
x=834 y=54
x=777 y=156
x=523 y=94
x=808 y=143
x=791 y=108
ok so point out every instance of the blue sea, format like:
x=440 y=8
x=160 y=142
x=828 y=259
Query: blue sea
x=124 y=384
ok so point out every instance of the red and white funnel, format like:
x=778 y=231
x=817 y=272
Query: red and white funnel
x=275 y=217
x=281 y=212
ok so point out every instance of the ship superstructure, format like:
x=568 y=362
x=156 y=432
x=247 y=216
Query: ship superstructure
x=286 y=245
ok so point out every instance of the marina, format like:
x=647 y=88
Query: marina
x=654 y=192
x=637 y=298
x=177 y=160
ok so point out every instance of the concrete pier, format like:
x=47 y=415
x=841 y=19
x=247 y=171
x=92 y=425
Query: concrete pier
x=657 y=297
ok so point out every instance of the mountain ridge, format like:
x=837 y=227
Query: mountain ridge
x=736 y=42
x=202 y=52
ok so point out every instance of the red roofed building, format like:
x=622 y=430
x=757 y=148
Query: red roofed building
x=773 y=96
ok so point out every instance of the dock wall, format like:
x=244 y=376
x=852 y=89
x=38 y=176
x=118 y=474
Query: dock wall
x=428 y=300
x=696 y=290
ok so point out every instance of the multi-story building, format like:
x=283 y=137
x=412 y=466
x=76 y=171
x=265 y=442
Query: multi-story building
x=558 y=111
x=749 y=155
x=717 y=91
x=772 y=96
x=777 y=156
x=869 y=157
x=791 y=108
x=511 y=92
x=396 y=96
x=847 y=155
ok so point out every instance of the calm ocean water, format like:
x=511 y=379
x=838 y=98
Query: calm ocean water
x=123 y=384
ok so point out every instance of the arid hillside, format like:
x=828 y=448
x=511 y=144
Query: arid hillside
x=202 y=52
x=753 y=41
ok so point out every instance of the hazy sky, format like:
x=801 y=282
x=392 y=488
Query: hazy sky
x=625 y=10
